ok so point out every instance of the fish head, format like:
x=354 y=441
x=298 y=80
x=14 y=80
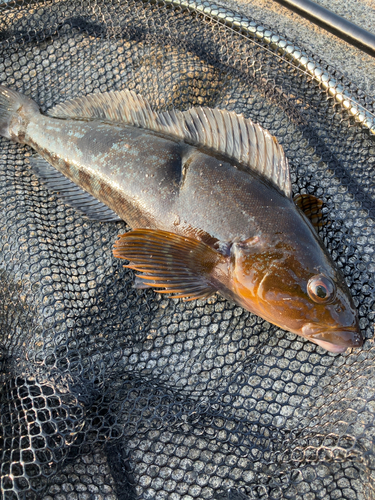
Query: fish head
x=297 y=287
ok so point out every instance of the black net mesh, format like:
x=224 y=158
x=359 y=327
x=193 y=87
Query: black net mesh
x=108 y=392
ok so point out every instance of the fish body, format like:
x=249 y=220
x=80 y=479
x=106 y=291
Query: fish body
x=154 y=182
x=210 y=212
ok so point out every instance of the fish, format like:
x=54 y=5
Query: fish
x=207 y=193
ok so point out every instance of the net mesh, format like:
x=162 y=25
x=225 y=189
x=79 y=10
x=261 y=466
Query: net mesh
x=107 y=392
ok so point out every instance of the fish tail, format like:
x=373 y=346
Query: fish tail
x=15 y=112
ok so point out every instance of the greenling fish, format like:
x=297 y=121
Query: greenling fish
x=208 y=195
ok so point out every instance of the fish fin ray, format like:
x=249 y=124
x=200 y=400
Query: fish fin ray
x=123 y=106
x=10 y=103
x=257 y=151
x=196 y=126
x=193 y=262
x=311 y=206
x=70 y=193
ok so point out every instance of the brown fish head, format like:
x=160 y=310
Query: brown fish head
x=297 y=287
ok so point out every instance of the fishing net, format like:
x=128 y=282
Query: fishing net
x=108 y=392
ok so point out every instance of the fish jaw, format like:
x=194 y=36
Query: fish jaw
x=337 y=349
x=336 y=341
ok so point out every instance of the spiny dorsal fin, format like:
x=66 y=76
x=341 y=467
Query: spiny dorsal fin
x=223 y=132
x=180 y=265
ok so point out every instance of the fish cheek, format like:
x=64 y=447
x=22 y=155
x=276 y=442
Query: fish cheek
x=286 y=300
x=249 y=268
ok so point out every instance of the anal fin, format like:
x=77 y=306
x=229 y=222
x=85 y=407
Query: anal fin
x=70 y=193
x=171 y=263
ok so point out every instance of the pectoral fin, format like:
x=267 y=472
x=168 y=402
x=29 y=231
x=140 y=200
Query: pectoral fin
x=311 y=206
x=180 y=265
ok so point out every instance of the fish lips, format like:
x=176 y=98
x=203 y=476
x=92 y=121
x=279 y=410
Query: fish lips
x=333 y=340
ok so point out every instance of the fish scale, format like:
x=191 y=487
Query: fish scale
x=207 y=193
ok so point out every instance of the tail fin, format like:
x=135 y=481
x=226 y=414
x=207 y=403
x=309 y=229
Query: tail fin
x=13 y=103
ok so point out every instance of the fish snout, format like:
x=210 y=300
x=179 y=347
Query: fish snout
x=333 y=340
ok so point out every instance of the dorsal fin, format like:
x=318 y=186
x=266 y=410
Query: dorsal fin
x=223 y=132
x=311 y=206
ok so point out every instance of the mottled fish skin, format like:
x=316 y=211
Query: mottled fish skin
x=154 y=182
x=146 y=179
x=271 y=251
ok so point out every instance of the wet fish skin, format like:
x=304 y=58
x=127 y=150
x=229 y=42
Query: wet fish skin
x=202 y=198
x=270 y=275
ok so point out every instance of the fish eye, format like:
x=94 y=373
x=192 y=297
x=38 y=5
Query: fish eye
x=321 y=289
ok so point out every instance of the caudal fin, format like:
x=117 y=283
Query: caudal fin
x=13 y=103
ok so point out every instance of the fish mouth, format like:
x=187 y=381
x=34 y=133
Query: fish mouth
x=333 y=340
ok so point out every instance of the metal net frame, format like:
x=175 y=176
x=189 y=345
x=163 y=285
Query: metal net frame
x=109 y=392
